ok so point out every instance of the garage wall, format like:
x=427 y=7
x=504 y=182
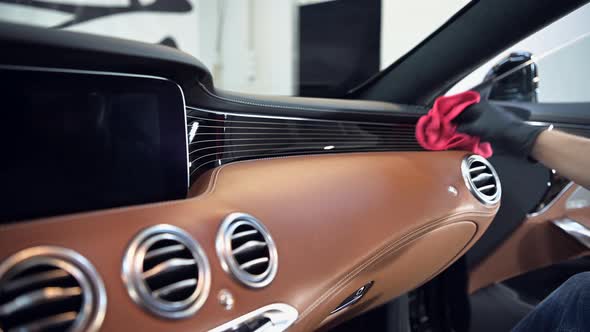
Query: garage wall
x=250 y=45
x=404 y=24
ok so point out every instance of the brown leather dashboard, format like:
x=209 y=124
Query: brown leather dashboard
x=339 y=221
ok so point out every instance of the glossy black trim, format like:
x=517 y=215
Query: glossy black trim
x=566 y=114
x=217 y=138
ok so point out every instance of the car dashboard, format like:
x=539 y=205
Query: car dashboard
x=258 y=212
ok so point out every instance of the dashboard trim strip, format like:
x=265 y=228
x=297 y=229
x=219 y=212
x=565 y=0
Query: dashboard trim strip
x=277 y=117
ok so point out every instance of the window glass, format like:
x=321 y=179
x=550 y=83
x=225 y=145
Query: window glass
x=559 y=55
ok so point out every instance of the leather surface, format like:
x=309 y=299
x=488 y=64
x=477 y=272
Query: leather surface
x=337 y=220
x=405 y=267
x=536 y=243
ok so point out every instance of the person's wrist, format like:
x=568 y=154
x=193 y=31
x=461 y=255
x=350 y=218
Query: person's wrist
x=525 y=137
x=538 y=144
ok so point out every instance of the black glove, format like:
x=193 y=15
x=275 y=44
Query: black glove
x=500 y=127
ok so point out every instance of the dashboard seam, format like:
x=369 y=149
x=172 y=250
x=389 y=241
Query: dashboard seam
x=390 y=247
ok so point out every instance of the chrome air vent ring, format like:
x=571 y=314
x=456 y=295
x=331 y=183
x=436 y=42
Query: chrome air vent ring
x=166 y=272
x=50 y=288
x=481 y=179
x=246 y=250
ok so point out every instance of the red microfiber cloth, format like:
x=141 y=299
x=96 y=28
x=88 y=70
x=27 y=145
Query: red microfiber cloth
x=435 y=131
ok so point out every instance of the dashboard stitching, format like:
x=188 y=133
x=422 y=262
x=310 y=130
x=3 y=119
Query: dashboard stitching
x=460 y=253
x=380 y=253
x=312 y=156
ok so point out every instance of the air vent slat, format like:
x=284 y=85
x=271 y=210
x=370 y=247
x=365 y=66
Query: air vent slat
x=50 y=289
x=481 y=179
x=247 y=250
x=164 y=251
x=487 y=188
x=248 y=247
x=175 y=287
x=167 y=272
x=243 y=234
x=254 y=263
x=35 y=279
x=53 y=322
x=168 y=266
x=477 y=169
x=38 y=297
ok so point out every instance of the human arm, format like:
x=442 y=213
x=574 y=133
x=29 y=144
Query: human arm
x=569 y=155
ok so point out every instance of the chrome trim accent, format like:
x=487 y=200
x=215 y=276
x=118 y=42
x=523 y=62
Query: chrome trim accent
x=538 y=123
x=553 y=201
x=134 y=277
x=477 y=169
x=248 y=246
x=486 y=188
x=226 y=254
x=264 y=116
x=188 y=162
x=108 y=73
x=470 y=182
x=79 y=71
x=168 y=266
x=254 y=262
x=94 y=298
x=226 y=299
x=281 y=316
x=482 y=176
x=49 y=322
x=326 y=129
x=579 y=199
x=174 y=287
x=35 y=279
x=575 y=229
x=558 y=125
x=164 y=251
x=38 y=297
x=198 y=119
x=243 y=234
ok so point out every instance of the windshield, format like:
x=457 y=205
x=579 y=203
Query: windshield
x=282 y=47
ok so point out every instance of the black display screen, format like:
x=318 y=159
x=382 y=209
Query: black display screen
x=81 y=141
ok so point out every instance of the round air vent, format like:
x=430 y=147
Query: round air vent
x=50 y=289
x=166 y=272
x=481 y=179
x=246 y=250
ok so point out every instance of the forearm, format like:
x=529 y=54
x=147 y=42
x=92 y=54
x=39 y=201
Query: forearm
x=569 y=155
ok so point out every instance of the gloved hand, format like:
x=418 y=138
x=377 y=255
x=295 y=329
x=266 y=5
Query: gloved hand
x=501 y=128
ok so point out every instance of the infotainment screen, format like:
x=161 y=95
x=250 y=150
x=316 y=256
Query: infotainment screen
x=76 y=141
